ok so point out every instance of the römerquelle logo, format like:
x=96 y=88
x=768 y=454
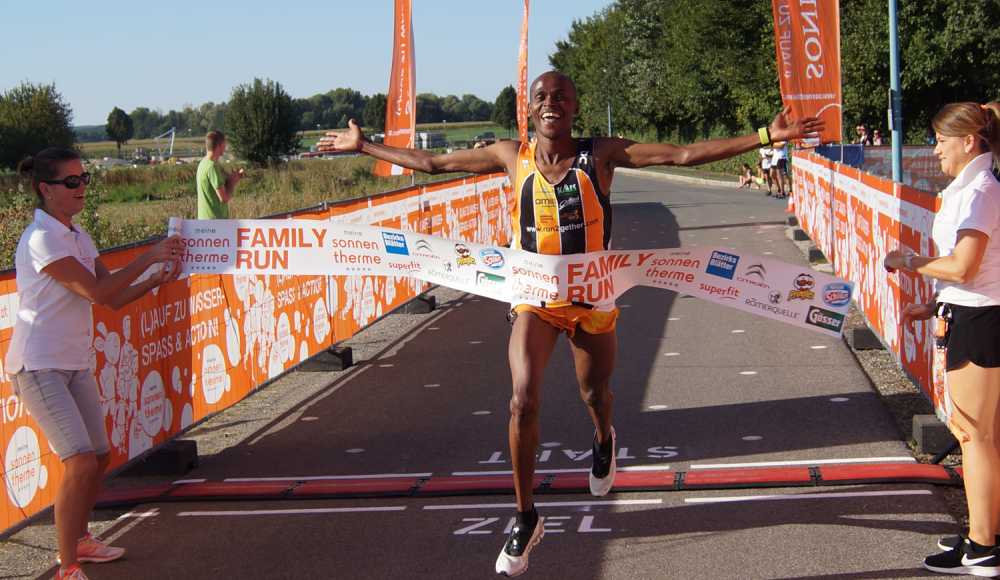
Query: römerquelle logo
x=825 y=319
x=722 y=265
x=395 y=243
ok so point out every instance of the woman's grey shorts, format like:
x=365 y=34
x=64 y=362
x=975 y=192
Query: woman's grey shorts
x=66 y=405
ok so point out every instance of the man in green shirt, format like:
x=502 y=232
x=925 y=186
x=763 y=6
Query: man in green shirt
x=215 y=189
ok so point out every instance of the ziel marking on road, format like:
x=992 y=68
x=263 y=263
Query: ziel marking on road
x=295 y=512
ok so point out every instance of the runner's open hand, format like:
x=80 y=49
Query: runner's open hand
x=785 y=128
x=350 y=140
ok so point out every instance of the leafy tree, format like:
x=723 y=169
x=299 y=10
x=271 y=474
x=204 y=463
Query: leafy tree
x=119 y=127
x=429 y=108
x=33 y=117
x=505 y=109
x=374 y=113
x=261 y=124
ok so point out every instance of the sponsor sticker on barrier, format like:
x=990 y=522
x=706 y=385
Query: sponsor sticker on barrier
x=803 y=288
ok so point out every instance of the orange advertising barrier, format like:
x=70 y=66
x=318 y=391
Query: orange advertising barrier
x=807 y=39
x=400 y=111
x=855 y=219
x=194 y=347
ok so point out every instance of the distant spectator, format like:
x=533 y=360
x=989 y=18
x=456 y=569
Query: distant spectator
x=747 y=179
x=779 y=166
x=929 y=137
x=863 y=132
x=479 y=145
x=765 y=164
x=215 y=188
x=876 y=138
x=759 y=180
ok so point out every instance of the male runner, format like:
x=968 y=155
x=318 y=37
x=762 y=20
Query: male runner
x=562 y=207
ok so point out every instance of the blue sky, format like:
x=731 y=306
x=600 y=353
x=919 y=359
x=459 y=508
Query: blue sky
x=165 y=54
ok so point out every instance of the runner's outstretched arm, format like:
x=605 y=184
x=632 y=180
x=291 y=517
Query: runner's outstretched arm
x=631 y=154
x=491 y=159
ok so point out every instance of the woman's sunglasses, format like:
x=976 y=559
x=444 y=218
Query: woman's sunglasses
x=72 y=181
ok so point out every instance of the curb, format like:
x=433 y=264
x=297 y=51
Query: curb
x=676 y=178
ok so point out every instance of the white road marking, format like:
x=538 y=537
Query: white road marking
x=432 y=385
x=748 y=373
x=840 y=399
x=295 y=512
x=539 y=471
x=817 y=347
x=355 y=450
x=738 y=331
x=808 y=496
x=672 y=354
x=481 y=413
x=657 y=407
x=752 y=438
x=180 y=481
x=330 y=477
x=805 y=462
x=614 y=502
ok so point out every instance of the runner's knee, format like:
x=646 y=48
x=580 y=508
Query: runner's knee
x=524 y=406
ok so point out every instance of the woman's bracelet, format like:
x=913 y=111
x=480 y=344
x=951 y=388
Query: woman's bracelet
x=908 y=261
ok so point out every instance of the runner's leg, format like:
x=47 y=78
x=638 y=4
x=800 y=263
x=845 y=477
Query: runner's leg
x=531 y=343
x=595 y=356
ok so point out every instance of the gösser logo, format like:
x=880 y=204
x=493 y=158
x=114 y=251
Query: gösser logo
x=492 y=259
x=825 y=319
x=395 y=244
x=722 y=265
x=464 y=257
x=837 y=294
x=803 y=288
x=490 y=282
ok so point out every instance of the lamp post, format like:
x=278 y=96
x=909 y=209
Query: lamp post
x=190 y=149
x=318 y=135
x=609 y=108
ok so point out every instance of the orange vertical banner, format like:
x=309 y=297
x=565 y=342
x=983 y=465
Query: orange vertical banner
x=401 y=111
x=807 y=38
x=522 y=79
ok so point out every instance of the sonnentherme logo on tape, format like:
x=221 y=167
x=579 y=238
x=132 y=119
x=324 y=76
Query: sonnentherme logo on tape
x=825 y=319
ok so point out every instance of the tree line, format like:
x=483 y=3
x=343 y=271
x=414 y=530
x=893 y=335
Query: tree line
x=330 y=110
x=261 y=121
x=693 y=69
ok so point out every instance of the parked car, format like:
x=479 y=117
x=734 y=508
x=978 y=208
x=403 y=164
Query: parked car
x=487 y=136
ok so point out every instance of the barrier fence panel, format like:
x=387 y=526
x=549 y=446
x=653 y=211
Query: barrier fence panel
x=196 y=346
x=872 y=216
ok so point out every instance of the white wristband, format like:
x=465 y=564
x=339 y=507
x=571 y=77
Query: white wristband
x=909 y=262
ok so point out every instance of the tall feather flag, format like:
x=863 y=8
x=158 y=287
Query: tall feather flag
x=522 y=79
x=400 y=111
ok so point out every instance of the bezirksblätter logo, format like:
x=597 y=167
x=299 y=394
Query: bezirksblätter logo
x=722 y=265
x=395 y=244
x=825 y=319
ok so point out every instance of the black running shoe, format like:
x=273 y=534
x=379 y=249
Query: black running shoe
x=602 y=474
x=950 y=542
x=962 y=560
x=513 y=558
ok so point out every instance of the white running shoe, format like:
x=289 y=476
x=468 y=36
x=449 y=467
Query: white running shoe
x=602 y=474
x=513 y=559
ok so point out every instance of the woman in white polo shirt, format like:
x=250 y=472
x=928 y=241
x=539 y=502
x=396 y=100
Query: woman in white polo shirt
x=966 y=237
x=59 y=275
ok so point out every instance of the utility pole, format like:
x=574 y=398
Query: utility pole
x=895 y=110
x=609 y=120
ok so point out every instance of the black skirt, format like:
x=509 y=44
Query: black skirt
x=974 y=336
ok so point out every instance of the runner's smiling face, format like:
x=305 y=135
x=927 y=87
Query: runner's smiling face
x=553 y=105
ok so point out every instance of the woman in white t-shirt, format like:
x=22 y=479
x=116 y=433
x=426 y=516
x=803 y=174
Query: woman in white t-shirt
x=966 y=235
x=59 y=275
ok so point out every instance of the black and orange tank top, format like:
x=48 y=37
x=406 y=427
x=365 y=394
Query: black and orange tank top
x=569 y=217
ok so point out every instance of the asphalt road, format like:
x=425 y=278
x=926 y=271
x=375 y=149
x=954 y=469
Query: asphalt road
x=696 y=385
